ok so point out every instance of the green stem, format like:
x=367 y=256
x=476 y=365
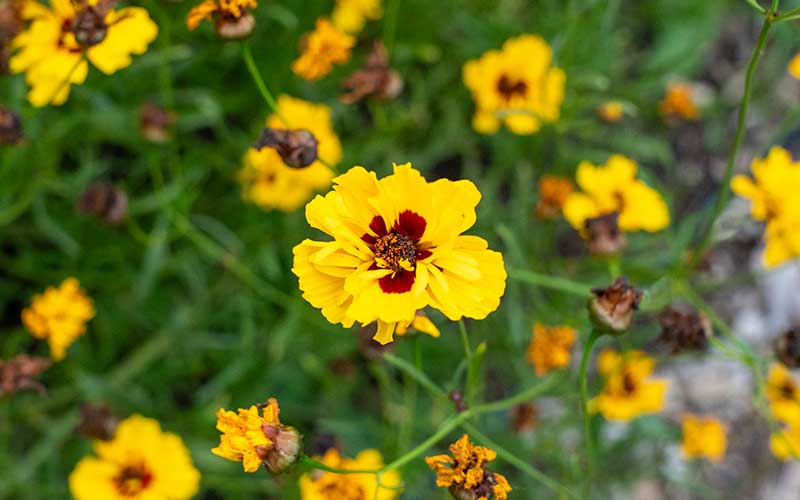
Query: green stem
x=755 y=5
x=587 y=420
x=524 y=396
x=414 y=373
x=448 y=426
x=247 y=55
x=552 y=282
x=390 y=25
x=316 y=464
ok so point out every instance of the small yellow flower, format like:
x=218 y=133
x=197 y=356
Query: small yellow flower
x=628 y=391
x=553 y=193
x=783 y=394
x=222 y=9
x=325 y=46
x=350 y=16
x=550 y=347
x=397 y=247
x=785 y=445
x=794 y=67
x=421 y=323
x=613 y=187
x=320 y=485
x=464 y=472
x=271 y=184
x=516 y=86
x=59 y=315
x=704 y=437
x=611 y=111
x=53 y=51
x=679 y=102
x=140 y=463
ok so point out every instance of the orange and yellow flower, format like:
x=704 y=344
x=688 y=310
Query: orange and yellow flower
x=324 y=47
x=679 y=102
x=553 y=193
x=611 y=111
x=550 y=347
x=225 y=10
x=421 y=324
x=465 y=472
x=320 y=485
x=628 y=391
x=704 y=437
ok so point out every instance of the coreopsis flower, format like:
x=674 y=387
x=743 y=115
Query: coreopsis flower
x=794 y=67
x=59 y=315
x=517 y=86
x=141 y=462
x=465 y=473
x=550 y=347
x=54 y=50
x=232 y=18
x=787 y=348
x=350 y=16
x=628 y=390
x=785 y=444
x=783 y=394
x=420 y=323
x=268 y=181
x=397 y=247
x=612 y=308
x=613 y=187
x=553 y=193
x=324 y=47
x=679 y=102
x=703 y=437
x=611 y=111
x=19 y=374
x=684 y=331
x=772 y=191
x=255 y=438
x=320 y=485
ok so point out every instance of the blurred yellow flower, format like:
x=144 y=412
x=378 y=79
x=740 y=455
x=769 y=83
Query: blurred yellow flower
x=350 y=16
x=785 y=445
x=704 y=437
x=628 y=391
x=233 y=19
x=319 y=485
x=783 y=394
x=773 y=193
x=613 y=187
x=59 y=315
x=397 y=247
x=611 y=111
x=679 y=102
x=53 y=51
x=322 y=48
x=794 y=67
x=421 y=323
x=271 y=184
x=550 y=347
x=465 y=474
x=140 y=463
x=553 y=193
x=516 y=86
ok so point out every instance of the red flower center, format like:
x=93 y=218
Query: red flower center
x=132 y=479
x=508 y=88
x=397 y=247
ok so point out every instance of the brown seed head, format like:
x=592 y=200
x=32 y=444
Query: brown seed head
x=19 y=373
x=104 y=201
x=787 y=348
x=287 y=444
x=235 y=28
x=524 y=417
x=155 y=122
x=375 y=79
x=612 y=308
x=97 y=422
x=604 y=235
x=10 y=127
x=682 y=331
x=297 y=148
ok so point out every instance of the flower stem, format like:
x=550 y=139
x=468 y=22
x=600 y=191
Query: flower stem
x=414 y=373
x=247 y=55
x=587 y=421
x=552 y=282
x=316 y=464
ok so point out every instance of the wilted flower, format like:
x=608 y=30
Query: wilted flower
x=516 y=86
x=783 y=394
x=11 y=24
x=397 y=247
x=628 y=390
x=155 y=122
x=105 y=201
x=350 y=16
x=297 y=148
x=97 y=422
x=10 y=127
x=376 y=79
x=320 y=485
x=19 y=374
x=612 y=308
x=787 y=348
x=54 y=49
x=550 y=347
x=524 y=417
x=553 y=193
x=268 y=181
x=321 y=49
x=141 y=462
x=59 y=315
x=232 y=18
x=465 y=474
x=703 y=437
x=611 y=111
x=604 y=235
x=682 y=331
x=421 y=324
x=679 y=102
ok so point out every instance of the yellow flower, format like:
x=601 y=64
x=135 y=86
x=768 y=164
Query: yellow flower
x=320 y=485
x=421 y=323
x=628 y=391
x=59 y=315
x=679 y=102
x=550 y=347
x=611 y=111
x=397 y=247
x=613 y=187
x=783 y=394
x=465 y=471
x=350 y=16
x=54 y=49
x=704 y=437
x=553 y=193
x=271 y=184
x=140 y=463
x=223 y=9
x=515 y=86
x=325 y=46
x=776 y=180
x=794 y=67
x=785 y=444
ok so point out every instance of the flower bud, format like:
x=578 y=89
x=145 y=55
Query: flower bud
x=10 y=127
x=287 y=444
x=682 y=331
x=155 y=122
x=787 y=348
x=104 y=201
x=612 y=308
x=297 y=148
x=604 y=235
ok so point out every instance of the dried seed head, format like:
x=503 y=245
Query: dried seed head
x=97 y=422
x=604 y=235
x=376 y=79
x=524 y=417
x=612 y=308
x=684 y=331
x=287 y=444
x=10 y=127
x=235 y=28
x=297 y=148
x=155 y=122
x=19 y=373
x=104 y=201
x=787 y=348
x=89 y=26
x=11 y=24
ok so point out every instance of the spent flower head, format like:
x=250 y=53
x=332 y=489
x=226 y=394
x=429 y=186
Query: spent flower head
x=464 y=472
x=232 y=18
x=684 y=331
x=612 y=308
x=787 y=348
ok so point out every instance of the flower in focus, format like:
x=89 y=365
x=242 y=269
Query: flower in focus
x=141 y=462
x=703 y=437
x=232 y=17
x=421 y=324
x=319 y=485
x=550 y=347
x=679 y=102
x=465 y=474
x=516 y=86
x=268 y=181
x=613 y=187
x=350 y=16
x=53 y=51
x=772 y=191
x=628 y=390
x=322 y=48
x=59 y=315
x=612 y=308
x=397 y=247
x=783 y=394
x=255 y=439
x=785 y=445
x=553 y=193
x=794 y=67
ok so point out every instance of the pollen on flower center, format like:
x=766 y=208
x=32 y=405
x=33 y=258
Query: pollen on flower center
x=395 y=251
x=132 y=479
x=509 y=88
